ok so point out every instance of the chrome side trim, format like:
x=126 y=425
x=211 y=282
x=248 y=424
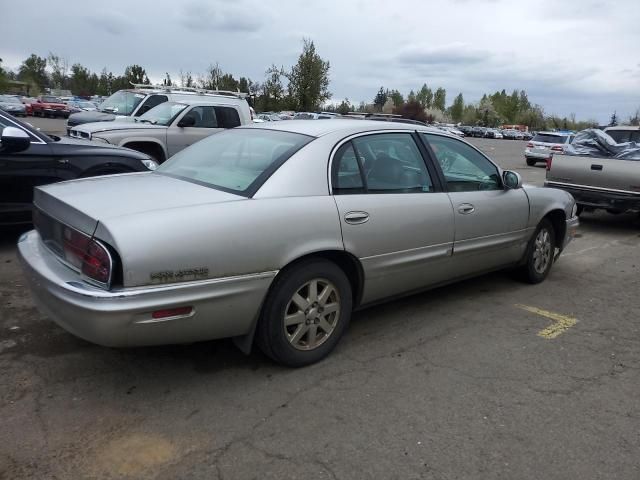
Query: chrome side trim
x=89 y=291
x=587 y=188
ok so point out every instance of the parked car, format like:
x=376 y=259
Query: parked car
x=28 y=102
x=595 y=181
x=451 y=130
x=269 y=117
x=140 y=99
x=624 y=133
x=466 y=129
x=29 y=158
x=48 y=106
x=218 y=257
x=492 y=133
x=478 y=132
x=12 y=105
x=76 y=106
x=545 y=144
x=527 y=135
x=171 y=126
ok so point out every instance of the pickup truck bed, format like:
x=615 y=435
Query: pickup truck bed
x=608 y=183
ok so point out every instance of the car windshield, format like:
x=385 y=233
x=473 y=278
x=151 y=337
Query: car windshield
x=237 y=161
x=9 y=99
x=51 y=100
x=162 y=114
x=122 y=102
x=549 y=138
x=86 y=105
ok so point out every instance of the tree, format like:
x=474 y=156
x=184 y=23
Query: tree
x=344 y=107
x=397 y=98
x=167 y=80
x=614 y=120
x=59 y=67
x=440 y=99
x=33 y=69
x=3 y=78
x=228 y=82
x=457 y=109
x=412 y=96
x=425 y=96
x=136 y=74
x=309 y=79
x=273 y=95
x=412 y=110
x=80 y=80
x=212 y=78
x=635 y=120
x=380 y=99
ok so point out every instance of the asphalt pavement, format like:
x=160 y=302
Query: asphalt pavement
x=485 y=379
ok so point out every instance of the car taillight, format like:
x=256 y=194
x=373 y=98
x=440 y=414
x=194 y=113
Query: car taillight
x=549 y=160
x=529 y=145
x=557 y=148
x=88 y=255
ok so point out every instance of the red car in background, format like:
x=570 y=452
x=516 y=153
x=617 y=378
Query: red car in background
x=28 y=101
x=48 y=106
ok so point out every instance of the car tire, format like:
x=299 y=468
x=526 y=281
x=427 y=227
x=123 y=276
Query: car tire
x=540 y=254
x=531 y=162
x=295 y=310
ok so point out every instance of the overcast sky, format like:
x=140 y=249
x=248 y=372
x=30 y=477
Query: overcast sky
x=579 y=56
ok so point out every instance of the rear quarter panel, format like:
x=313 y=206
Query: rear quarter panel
x=227 y=239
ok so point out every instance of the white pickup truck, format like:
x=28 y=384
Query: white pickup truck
x=608 y=183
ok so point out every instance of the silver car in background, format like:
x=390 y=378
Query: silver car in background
x=277 y=231
x=12 y=105
x=544 y=144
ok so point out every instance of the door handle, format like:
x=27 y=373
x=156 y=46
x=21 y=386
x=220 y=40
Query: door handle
x=63 y=161
x=466 y=208
x=356 y=218
x=595 y=166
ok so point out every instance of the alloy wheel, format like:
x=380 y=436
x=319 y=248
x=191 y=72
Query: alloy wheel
x=542 y=251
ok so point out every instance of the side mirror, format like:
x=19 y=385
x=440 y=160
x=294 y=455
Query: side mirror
x=187 y=121
x=14 y=140
x=511 y=180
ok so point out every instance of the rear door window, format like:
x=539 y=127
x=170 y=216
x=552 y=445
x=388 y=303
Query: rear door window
x=227 y=117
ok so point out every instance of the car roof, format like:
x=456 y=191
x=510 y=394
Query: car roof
x=204 y=101
x=318 y=128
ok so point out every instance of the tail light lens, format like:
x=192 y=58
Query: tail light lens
x=557 y=148
x=549 y=160
x=88 y=255
x=529 y=145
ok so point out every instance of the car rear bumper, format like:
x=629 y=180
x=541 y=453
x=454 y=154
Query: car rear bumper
x=224 y=307
x=532 y=154
x=600 y=198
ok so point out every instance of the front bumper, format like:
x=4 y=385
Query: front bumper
x=596 y=198
x=224 y=307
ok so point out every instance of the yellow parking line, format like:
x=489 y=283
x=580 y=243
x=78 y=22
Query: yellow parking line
x=562 y=322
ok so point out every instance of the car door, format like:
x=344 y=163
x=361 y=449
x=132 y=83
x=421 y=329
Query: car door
x=395 y=219
x=205 y=124
x=490 y=220
x=20 y=172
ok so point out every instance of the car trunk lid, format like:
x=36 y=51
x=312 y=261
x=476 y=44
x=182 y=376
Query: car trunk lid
x=81 y=204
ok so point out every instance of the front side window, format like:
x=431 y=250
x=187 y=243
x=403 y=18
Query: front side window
x=203 y=116
x=151 y=102
x=392 y=163
x=464 y=168
x=237 y=161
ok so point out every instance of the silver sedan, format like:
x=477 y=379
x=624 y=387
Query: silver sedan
x=275 y=232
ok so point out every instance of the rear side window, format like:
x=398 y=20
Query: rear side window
x=548 y=138
x=347 y=174
x=623 y=136
x=227 y=117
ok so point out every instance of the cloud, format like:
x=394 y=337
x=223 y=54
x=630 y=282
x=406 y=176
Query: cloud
x=229 y=17
x=114 y=23
x=449 y=54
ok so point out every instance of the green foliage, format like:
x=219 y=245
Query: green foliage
x=396 y=98
x=457 y=109
x=344 y=107
x=440 y=99
x=380 y=99
x=33 y=70
x=309 y=79
x=136 y=74
x=3 y=78
x=425 y=96
x=614 y=120
x=59 y=67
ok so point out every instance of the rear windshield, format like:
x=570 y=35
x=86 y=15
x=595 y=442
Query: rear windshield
x=623 y=136
x=236 y=161
x=51 y=100
x=550 y=138
x=122 y=102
